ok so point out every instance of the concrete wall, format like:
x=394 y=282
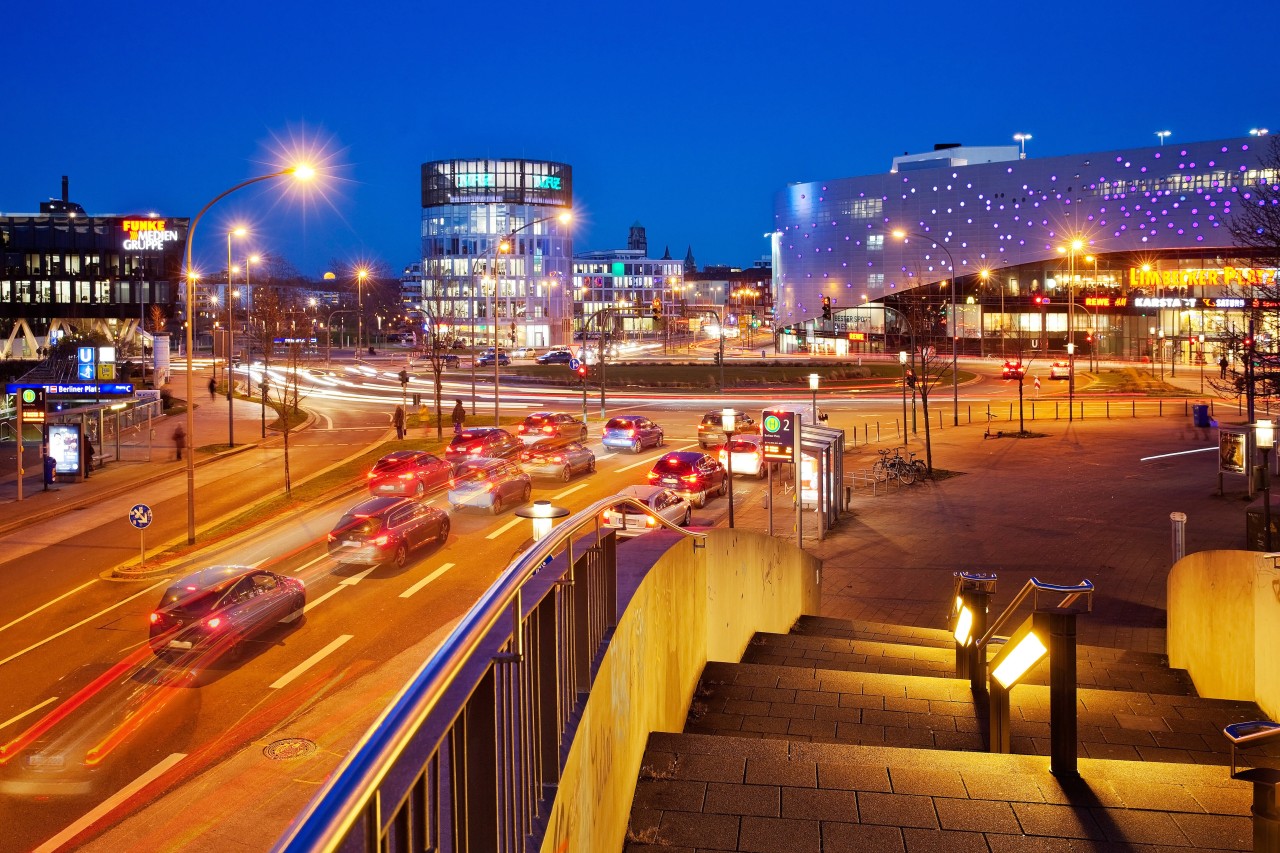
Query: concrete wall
x=1224 y=625
x=694 y=605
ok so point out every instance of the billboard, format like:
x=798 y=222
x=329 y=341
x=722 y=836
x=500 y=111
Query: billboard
x=64 y=447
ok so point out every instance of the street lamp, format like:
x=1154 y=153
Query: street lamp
x=300 y=172
x=361 y=274
x=231 y=417
x=1070 y=249
x=813 y=389
x=1266 y=436
x=1259 y=131
x=955 y=376
x=1021 y=139
x=1163 y=134
x=1160 y=338
x=543 y=516
x=902 y=359
x=248 y=302
x=728 y=420
x=1151 y=336
x=1202 y=362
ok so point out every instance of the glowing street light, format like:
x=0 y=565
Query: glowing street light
x=300 y=172
x=902 y=359
x=1163 y=134
x=362 y=273
x=1265 y=433
x=231 y=420
x=1259 y=131
x=1021 y=139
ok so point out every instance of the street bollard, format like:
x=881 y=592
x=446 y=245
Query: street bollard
x=1179 y=520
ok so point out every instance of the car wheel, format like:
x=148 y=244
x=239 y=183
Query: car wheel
x=635 y=445
x=583 y=437
x=700 y=500
x=401 y=555
x=662 y=439
x=496 y=506
x=591 y=466
x=762 y=473
x=566 y=474
x=725 y=486
x=688 y=516
x=444 y=530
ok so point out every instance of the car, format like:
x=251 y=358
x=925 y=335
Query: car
x=1012 y=370
x=447 y=359
x=711 y=430
x=634 y=432
x=522 y=352
x=630 y=521
x=409 y=473
x=214 y=609
x=486 y=359
x=690 y=474
x=487 y=442
x=748 y=456
x=1060 y=370
x=543 y=425
x=385 y=530
x=555 y=356
x=492 y=484
x=553 y=457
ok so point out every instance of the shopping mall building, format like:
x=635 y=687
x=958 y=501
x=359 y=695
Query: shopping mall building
x=469 y=282
x=1139 y=237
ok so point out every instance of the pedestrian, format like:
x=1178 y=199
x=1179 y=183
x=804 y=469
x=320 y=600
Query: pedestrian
x=179 y=439
x=397 y=419
x=1222 y=366
x=213 y=389
x=459 y=415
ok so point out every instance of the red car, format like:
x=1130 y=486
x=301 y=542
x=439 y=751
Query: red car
x=411 y=473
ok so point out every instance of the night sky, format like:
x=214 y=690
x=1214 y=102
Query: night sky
x=686 y=117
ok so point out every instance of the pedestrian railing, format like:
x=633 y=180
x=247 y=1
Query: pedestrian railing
x=469 y=755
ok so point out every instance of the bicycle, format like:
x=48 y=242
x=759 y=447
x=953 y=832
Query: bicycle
x=921 y=469
x=893 y=466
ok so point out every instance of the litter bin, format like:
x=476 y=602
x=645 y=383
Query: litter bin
x=1200 y=414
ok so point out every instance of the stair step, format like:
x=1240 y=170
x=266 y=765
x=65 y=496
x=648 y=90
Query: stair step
x=858 y=655
x=884 y=632
x=698 y=792
x=821 y=705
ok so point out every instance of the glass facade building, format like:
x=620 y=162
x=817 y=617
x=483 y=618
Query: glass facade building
x=625 y=279
x=1141 y=237
x=468 y=282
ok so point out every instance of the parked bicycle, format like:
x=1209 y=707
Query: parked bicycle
x=894 y=466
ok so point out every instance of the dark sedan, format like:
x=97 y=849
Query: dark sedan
x=385 y=530
x=558 y=356
x=482 y=442
x=216 y=608
x=409 y=473
x=486 y=359
x=691 y=474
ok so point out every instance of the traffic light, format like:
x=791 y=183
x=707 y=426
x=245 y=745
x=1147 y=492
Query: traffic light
x=911 y=379
x=657 y=308
x=582 y=372
x=755 y=321
x=715 y=357
x=1088 y=337
x=404 y=377
x=826 y=307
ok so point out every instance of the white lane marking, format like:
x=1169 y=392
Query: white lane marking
x=84 y=621
x=652 y=459
x=504 y=528
x=328 y=421
x=568 y=492
x=355 y=579
x=315 y=602
x=27 y=712
x=109 y=804
x=428 y=579
x=311 y=661
x=605 y=456
x=48 y=604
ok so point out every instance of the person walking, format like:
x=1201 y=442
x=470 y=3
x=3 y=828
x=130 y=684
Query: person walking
x=397 y=418
x=1222 y=366
x=459 y=416
x=179 y=439
x=213 y=389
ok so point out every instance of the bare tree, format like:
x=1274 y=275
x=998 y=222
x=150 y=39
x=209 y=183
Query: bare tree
x=286 y=400
x=437 y=342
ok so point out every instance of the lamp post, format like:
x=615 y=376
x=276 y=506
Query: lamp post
x=1021 y=139
x=902 y=359
x=1070 y=250
x=813 y=390
x=231 y=417
x=300 y=172
x=728 y=420
x=361 y=275
x=1160 y=355
x=1202 y=362
x=955 y=378
x=1266 y=437
x=248 y=300
x=1163 y=134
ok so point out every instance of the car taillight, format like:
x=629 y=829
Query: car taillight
x=521 y=428
x=474 y=451
x=702 y=426
x=690 y=478
x=653 y=476
x=214 y=622
x=557 y=458
x=406 y=476
x=651 y=521
x=155 y=617
x=548 y=429
x=631 y=432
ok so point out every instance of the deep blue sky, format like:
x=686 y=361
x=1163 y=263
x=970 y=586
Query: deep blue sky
x=685 y=116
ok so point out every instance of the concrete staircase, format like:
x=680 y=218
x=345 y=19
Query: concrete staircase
x=855 y=736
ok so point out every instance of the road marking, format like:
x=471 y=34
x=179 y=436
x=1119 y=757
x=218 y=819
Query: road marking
x=428 y=579
x=27 y=712
x=85 y=621
x=355 y=579
x=311 y=661
x=48 y=604
x=504 y=528
x=652 y=459
x=311 y=604
x=605 y=456
x=568 y=492
x=328 y=421
x=108 y=805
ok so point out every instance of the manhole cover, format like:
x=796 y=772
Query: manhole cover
x=291 y=747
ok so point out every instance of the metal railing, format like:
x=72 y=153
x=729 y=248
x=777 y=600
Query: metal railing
x=1033 y=587
x=1244 y=734
x=469 y=754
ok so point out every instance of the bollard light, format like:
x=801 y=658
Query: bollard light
x=543 y=516
x=964 y=625
x=1265 y=435
x=1023 y=651
x=1266 y=432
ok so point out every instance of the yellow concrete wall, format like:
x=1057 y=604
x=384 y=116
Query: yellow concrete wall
x=1224 y=625
x=691 y=601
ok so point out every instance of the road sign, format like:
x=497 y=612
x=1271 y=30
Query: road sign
x=140 y=516
x=85 y=372
x=31 y=405
x=574 y=364
x=779 y=435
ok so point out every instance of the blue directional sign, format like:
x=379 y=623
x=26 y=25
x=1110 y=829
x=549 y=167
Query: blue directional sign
x=85 y=372
x=574 y=364
x=79 y=389
x=140 y=516
x=85 y=355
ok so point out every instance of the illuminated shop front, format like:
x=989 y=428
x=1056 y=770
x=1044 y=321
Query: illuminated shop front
x=474 y=286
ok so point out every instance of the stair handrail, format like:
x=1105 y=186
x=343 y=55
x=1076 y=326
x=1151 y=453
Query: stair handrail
x=1034 y=585
x=1247 y=733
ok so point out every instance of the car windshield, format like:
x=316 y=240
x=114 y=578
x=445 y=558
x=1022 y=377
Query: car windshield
x=358 y=526
x=538 y=420
x=473 y=474
x=671 y=466
x=618 y=423
x=713 y=418
x=390 y=464
x=191 y=600
x=466 y=438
